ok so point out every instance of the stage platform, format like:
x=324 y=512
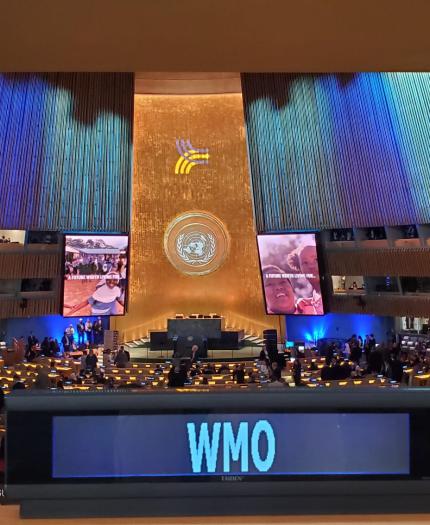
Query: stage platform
x=235 y=344
x=9 y=515
x=143 y=353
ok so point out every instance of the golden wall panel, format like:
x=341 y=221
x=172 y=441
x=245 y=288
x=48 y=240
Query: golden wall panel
x=220 y=187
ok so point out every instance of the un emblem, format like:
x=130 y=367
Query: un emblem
x=196 y=248
x=196 y=243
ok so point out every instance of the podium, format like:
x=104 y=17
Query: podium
x=205 y=328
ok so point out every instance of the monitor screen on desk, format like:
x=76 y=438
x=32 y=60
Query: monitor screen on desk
x=290 y=272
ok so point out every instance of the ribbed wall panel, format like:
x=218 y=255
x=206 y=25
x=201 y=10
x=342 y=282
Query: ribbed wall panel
x=65 y=151
x=27 y=265
x=390 y=261
x=11 y=308
x=330 y=151
x=384 y=304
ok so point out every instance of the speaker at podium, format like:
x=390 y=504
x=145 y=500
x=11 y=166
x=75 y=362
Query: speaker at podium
x=183 y=346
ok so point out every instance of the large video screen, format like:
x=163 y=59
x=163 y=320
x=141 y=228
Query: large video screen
x=290 y=273
x=95 y=275
x=263 y=444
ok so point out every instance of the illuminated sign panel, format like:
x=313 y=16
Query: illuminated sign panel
x=267 y=444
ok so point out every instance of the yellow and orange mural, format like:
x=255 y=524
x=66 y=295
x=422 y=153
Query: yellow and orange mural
x=215 y=198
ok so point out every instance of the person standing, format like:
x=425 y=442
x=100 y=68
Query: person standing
x=355 y=349
x=367 y=348
x=21 y=347
x=89 y=331
x=98 y=331
x=347 y=349
x=121 y=358
x=275 y=372
x=56 y=346
x=32 y=340
x=84 y=356
x=52 y=348
x=70 y=331
x=297 y=372
x=91 y=361
x=45 y=348
x=329 y=354
x=106 y=357
x=31 y=354
x=410 y=323
x=194 y=351
x=81 y=332
x=66 y=342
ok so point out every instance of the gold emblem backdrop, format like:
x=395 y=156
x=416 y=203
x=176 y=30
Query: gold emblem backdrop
x=221 y=187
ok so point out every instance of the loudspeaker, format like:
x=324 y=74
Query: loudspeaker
x=271 y=342
x=271 y=337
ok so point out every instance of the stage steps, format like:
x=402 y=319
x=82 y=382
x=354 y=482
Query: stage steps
x=248 y=340
x=137 y=343
x=252 y=340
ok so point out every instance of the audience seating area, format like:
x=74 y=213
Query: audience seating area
x=66 y=374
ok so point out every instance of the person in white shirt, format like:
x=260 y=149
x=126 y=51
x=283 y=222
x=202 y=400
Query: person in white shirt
x=70 y=331
x=89 y=331
x=105 y=298
x=347 y=350
x=81 y=332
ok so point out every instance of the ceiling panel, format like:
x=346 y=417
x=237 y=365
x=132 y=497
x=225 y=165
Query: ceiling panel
x=214 y=35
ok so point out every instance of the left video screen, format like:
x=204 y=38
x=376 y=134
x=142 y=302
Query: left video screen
x=95 y=275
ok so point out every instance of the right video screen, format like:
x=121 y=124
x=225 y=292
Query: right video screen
x=290 y=272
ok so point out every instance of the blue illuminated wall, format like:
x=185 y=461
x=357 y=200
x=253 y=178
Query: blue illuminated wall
x=47 y=326
x=65 y=151
x=340 y=326
x=338 y=150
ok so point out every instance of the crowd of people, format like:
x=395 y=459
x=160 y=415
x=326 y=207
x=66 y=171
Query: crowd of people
x=85 y=336
x=4 y=239
x=96 y=265
x=183 y=373
x=355 y=358
x=359 y=357
x=90 y=368
x=268 y=370
x=86 y=333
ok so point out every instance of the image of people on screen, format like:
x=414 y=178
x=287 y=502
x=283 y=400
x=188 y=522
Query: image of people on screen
x=304 y=260
x=105 y=300
x=95 y=274
x=94 y=265
x=291 y=280
x=280 y=297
